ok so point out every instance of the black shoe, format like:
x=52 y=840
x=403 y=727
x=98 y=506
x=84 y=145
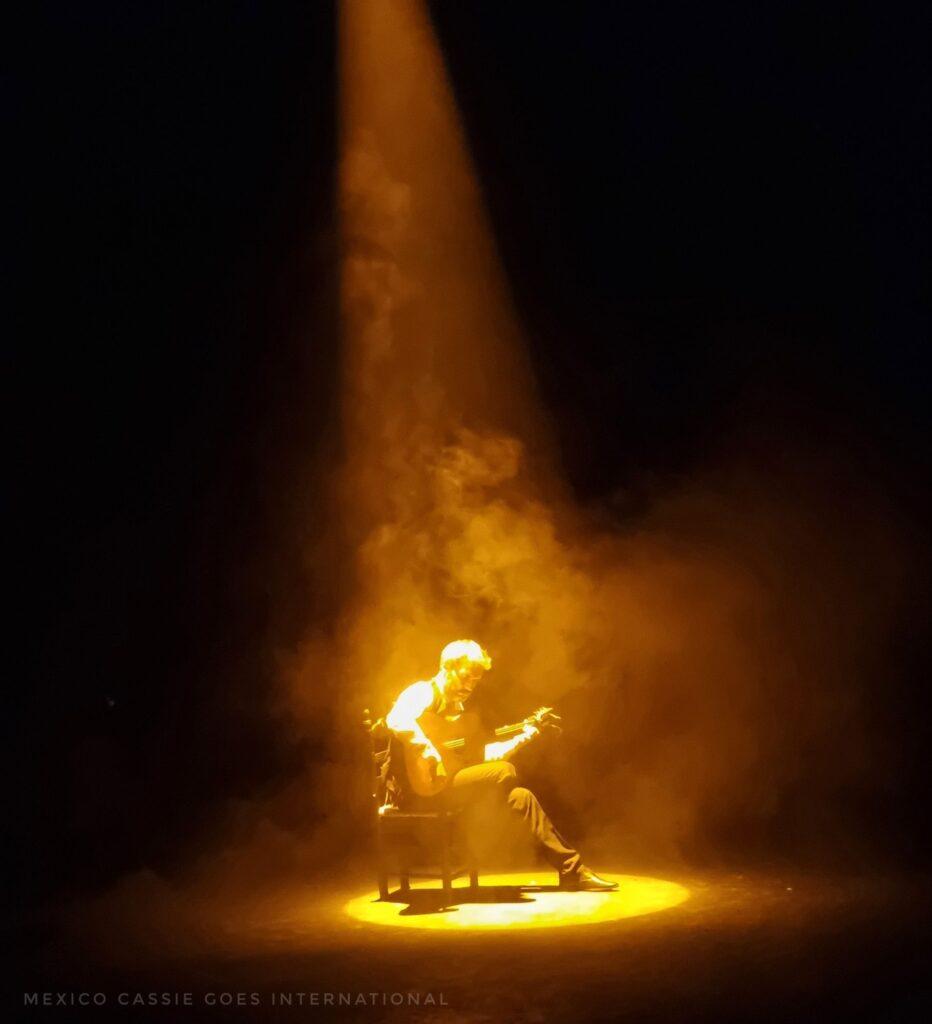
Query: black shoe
x=585 y=880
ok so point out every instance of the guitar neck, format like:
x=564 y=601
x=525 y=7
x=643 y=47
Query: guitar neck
x=503 y=730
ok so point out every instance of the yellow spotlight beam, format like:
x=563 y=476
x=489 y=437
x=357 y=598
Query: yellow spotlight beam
x=430 y=337
x=430 y=340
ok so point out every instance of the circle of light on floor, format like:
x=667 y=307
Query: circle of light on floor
x=517 y=901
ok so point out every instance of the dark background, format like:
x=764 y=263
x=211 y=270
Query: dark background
x=714 y=219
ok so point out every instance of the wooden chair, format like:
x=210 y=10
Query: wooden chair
x=405 y=836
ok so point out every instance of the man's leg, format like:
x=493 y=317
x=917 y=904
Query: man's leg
x=563 y=857
x=499 y=778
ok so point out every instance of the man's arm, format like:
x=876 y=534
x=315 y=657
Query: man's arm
x=403 y=718
x=504 y=750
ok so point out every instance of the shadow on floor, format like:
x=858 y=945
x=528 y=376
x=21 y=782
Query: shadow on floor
x=433 y=901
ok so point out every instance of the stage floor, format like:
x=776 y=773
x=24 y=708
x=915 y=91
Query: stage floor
x=665 y=947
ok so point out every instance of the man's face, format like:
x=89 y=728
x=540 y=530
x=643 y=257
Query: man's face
x=462 y=677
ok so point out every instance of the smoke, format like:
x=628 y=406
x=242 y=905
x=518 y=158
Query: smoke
x=715 y=661
x=717 y=658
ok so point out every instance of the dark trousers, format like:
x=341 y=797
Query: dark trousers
x=497 y=781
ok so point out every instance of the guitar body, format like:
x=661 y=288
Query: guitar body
x=459 y=742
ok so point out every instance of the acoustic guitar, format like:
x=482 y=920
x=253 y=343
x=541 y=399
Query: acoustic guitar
x=461 y=743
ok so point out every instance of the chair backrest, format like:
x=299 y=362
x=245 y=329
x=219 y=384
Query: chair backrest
x=379 y=739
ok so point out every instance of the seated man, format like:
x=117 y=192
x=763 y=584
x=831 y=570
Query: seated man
x=448 y=780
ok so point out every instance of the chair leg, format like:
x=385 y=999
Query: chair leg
x=445 y=874
x=381 y=854
x=404 y=881
x=474 y=878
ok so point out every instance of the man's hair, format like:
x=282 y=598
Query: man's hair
x=468 y=649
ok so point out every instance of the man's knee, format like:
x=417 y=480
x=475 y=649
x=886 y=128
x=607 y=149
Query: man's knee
x=505 y=773
x=520 y=799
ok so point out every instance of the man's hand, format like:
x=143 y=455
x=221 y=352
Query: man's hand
x=430 y=753
x=544 y=718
